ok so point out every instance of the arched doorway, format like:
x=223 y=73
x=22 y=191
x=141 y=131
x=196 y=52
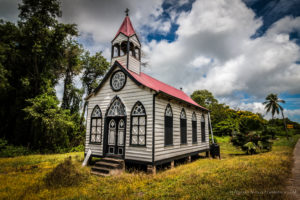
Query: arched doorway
x=115 y=130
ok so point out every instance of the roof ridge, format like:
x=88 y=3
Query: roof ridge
x=164 y=83
x=160 y=86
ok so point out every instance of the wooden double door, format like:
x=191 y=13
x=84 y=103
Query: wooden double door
x=115 y=136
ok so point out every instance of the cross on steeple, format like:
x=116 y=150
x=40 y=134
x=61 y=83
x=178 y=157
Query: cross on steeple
x=127 y=11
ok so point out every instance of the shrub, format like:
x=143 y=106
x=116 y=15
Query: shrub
x=66 y=174
x=79 y=148
x=12 y=151
x=252 y=142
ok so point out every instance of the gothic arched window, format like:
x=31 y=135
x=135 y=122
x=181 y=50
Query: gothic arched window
x=168 y=126
x=138 y=125
x=203 y=129
x=194 y=128
x=117 y=108
x=183 y=136
x=96 y=125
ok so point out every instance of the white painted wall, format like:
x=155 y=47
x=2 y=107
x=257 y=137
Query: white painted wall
x=130 y=94
x=162 y=152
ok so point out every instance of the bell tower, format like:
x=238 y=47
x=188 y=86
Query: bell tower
x=126 y=47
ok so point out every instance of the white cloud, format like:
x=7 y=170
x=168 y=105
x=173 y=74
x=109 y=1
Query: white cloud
x=292 y=113
x=221 y=30
x=200 y=61
x=103 y=18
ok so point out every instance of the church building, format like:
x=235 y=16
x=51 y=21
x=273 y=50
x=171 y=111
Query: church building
x=136 y=118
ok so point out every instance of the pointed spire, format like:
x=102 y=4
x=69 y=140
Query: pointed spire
x=126 y=28
x=126 y=11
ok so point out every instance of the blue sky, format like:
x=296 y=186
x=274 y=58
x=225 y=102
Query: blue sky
x=241 y=50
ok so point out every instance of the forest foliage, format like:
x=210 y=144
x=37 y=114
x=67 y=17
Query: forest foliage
x=35 y=54
x=249 y=131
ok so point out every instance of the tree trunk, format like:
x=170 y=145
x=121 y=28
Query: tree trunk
x=66 y=95
x=83 y=112
x=287 y=135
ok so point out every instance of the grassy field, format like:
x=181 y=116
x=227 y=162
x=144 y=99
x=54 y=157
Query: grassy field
x=235 y=176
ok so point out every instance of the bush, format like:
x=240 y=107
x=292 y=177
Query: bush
x=66 y=174
x=12 y=151
x=79 y=148
x=252 y=142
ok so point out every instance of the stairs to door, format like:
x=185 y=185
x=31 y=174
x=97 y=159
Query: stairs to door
x=108 y=166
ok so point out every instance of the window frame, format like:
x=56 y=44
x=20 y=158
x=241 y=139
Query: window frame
x=203 y=134
x=111 y=79
x=138 y=125
x=170 y=118
x=91 y=126
x=183 y=128
x=194 y=129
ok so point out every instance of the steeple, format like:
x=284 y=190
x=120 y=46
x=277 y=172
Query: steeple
x=126 y=47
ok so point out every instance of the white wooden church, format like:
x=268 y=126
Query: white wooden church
x=136 y=118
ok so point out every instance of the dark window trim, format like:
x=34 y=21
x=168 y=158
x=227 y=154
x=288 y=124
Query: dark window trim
x=194 y=130
x=183 y=129
x=203 y=134
x=131 y=117
x=112 y=78
x=171 y=127
x=91 y=126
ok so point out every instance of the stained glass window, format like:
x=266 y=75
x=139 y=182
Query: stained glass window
x=168 y=126
x=183 y=131
x=169 y=111
x=112 y=132
x=116 y=109
x=121 y=132
x=203 y=128
x=194 y=127
x=138 y=125
x=96 y=126
x=118 y=80
x=194 y=117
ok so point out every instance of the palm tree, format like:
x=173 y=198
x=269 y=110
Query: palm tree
x=272 y=104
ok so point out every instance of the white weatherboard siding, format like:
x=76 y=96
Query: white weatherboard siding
x=134 y=65
x=122 y=60
x=129 y=95
x=162 y=152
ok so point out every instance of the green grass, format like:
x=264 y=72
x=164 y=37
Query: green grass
x=235 y=176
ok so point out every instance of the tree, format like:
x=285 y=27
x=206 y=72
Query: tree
x=94 y=67
x=272 y=105
x=204 y=98
x=52 y=125
x=70 y=68
x=31 y=55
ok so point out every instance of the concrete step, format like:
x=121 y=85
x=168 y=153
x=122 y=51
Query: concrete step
x=103 y=170
x=108 y=165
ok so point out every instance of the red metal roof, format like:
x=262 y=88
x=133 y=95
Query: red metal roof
x=126 y=28
x=159 y=86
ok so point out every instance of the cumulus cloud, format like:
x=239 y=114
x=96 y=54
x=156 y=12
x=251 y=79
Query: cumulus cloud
x=217 y=35
x=101 y=19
